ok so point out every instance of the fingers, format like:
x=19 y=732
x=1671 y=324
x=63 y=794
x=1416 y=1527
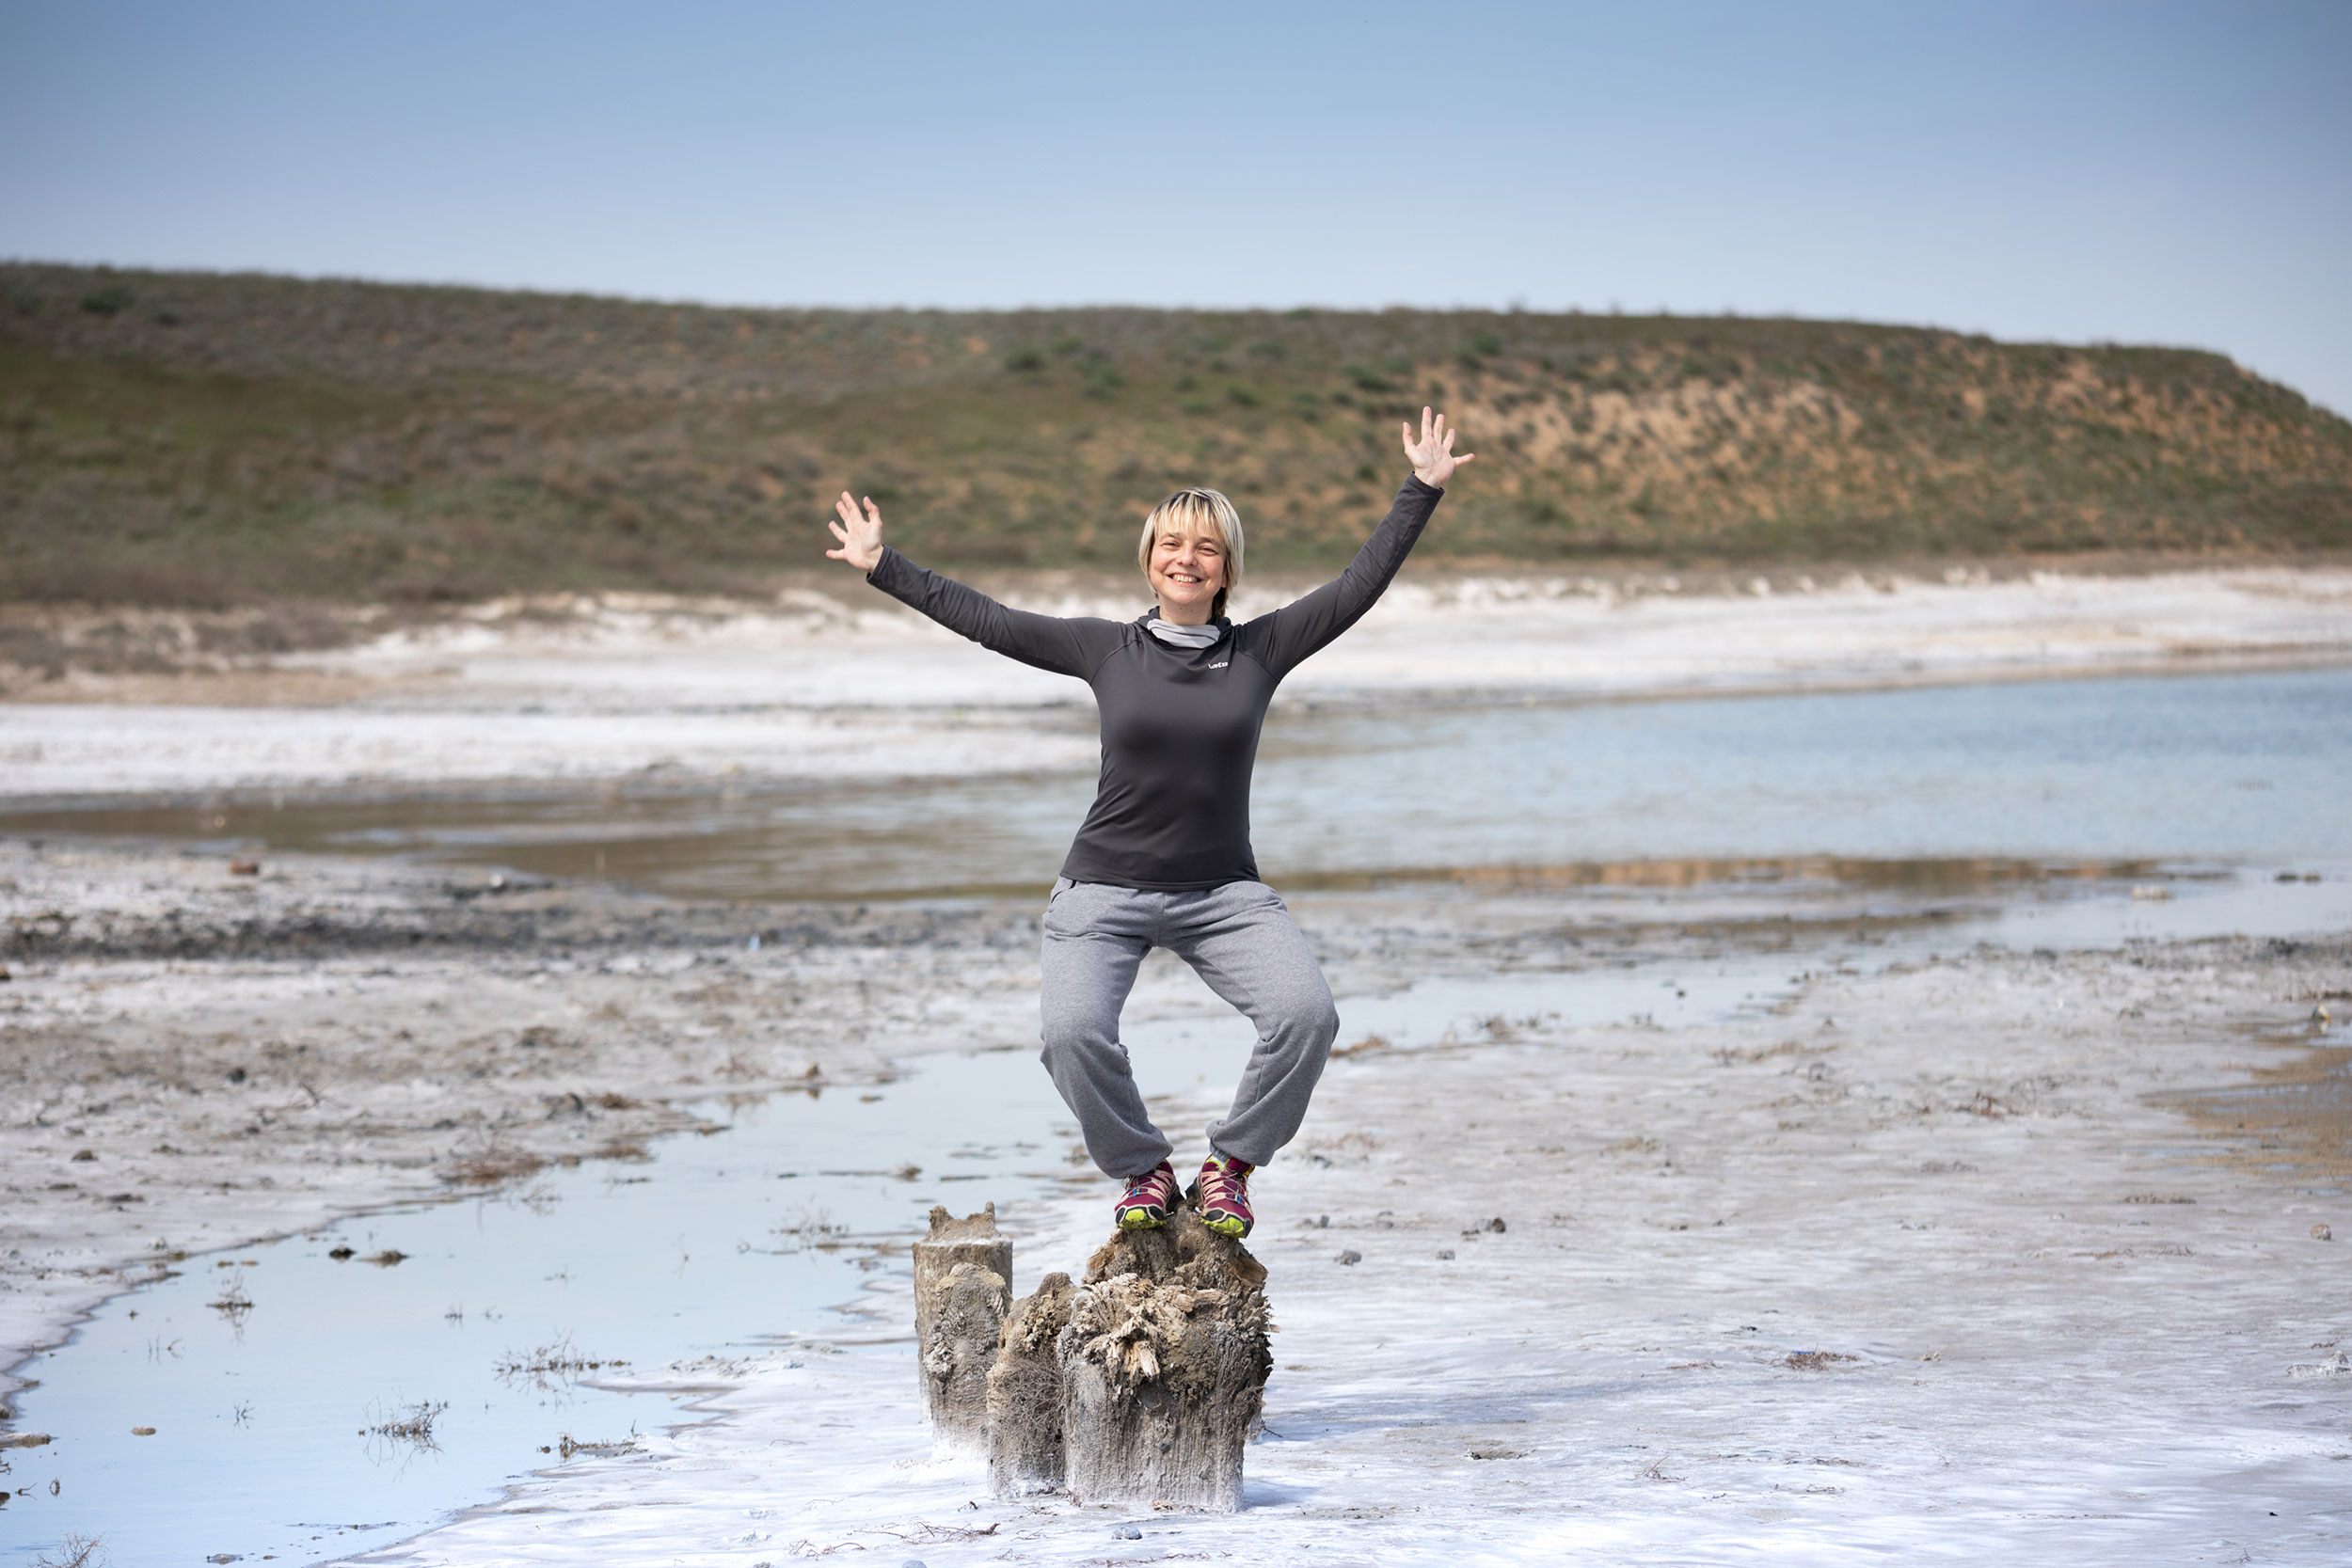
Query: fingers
x=846 y=508
x=873 y=512
x=839 y=531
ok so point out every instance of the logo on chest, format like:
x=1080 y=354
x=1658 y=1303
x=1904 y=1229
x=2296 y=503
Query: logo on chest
x=1220 y=664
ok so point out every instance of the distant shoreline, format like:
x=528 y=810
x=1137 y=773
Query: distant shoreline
x=672 y=695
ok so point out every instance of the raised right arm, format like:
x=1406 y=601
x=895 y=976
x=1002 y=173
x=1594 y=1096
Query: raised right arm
x=1066 y=646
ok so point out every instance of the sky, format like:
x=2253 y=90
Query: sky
x=2078 y=170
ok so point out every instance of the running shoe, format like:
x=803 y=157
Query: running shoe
x=1223 y=1193
x=1148 y=1199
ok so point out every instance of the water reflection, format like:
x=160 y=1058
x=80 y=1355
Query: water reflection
x=1952 y=788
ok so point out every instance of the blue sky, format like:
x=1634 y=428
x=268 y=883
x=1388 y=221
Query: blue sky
x=2142 y=172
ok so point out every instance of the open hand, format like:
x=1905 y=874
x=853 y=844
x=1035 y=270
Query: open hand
x=1433 y=457
x=860 y=536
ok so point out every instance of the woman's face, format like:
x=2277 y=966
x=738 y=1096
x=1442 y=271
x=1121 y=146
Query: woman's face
x=1187 y=569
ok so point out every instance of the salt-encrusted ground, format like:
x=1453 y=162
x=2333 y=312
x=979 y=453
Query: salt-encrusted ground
x=1926 y=1267
x=249 y=1057
x=191 y=1058
x=846 y=682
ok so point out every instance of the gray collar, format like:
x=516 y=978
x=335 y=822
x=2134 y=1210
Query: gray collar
x=1184 y=637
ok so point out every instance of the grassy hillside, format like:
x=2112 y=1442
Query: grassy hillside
x=185 y=437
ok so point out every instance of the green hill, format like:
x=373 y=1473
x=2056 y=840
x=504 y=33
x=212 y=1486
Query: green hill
x=196 y=437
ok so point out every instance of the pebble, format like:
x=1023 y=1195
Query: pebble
x=1446 y=1255
x=1351 y=1256
x=2321 y=1233
x=142 y=1431
x=1128 y=1532
x=2337 y=1365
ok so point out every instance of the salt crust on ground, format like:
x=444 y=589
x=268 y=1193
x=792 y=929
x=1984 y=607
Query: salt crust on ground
x=1913 y=1270
x=251 y=1056
x=820 y=687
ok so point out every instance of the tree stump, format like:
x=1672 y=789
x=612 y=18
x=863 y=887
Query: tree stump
x=962 y=1273
x=1024 y=1441
x=1163 y=1368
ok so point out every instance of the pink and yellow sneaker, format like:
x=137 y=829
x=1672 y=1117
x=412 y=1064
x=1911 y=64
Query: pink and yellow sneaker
x=1223 y=1193
x=1148 y=1199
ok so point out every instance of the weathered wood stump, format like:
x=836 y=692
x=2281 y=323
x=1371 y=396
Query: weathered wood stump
x=962 y=1287
x=1164 y=1366
x=1025 y=1446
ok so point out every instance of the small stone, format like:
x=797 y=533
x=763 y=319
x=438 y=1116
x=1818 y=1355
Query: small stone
x=142 y=1431
x=2321 y=1233
x=340 y=1253
x=245 y=866
x=1350 y=1258
x=84 y=1154
x=2337 y=1365
x=1445 y=1255
x=1128 y=1532
x=23 y=1439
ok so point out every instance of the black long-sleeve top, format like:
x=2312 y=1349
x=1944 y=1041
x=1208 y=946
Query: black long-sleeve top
x=1179 y=725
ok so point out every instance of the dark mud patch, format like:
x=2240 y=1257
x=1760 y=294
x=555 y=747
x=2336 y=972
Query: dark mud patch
x=2293 y=1116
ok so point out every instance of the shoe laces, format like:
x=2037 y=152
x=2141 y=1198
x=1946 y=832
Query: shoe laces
x=1148 y=1183
x=1226 y=1179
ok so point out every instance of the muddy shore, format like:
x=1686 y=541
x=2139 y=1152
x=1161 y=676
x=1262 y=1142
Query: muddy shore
x=1990 y=1249
x=192 y=1058
x=195 y=1058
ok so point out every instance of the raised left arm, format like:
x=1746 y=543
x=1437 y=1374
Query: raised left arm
x=1307 y=625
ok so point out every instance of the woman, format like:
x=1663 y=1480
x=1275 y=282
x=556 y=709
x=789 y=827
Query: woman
x=1164 y=857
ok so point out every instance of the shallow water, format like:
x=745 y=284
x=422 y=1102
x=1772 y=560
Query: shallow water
x=2241 y=769
x=2044 y=806
x=717 y=1244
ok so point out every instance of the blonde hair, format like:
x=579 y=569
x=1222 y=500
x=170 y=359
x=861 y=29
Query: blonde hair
x=1197 y=511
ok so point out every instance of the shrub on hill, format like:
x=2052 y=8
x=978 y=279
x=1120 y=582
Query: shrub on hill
x=184 y=437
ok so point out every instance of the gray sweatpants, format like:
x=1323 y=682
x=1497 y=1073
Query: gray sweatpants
x=1240 y=941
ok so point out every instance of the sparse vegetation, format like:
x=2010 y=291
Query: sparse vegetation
x=488 y=1167
x=409 y=1423
x=551 y=1366
x=74 y=1551
x=233 y=1304
x=199 y=438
